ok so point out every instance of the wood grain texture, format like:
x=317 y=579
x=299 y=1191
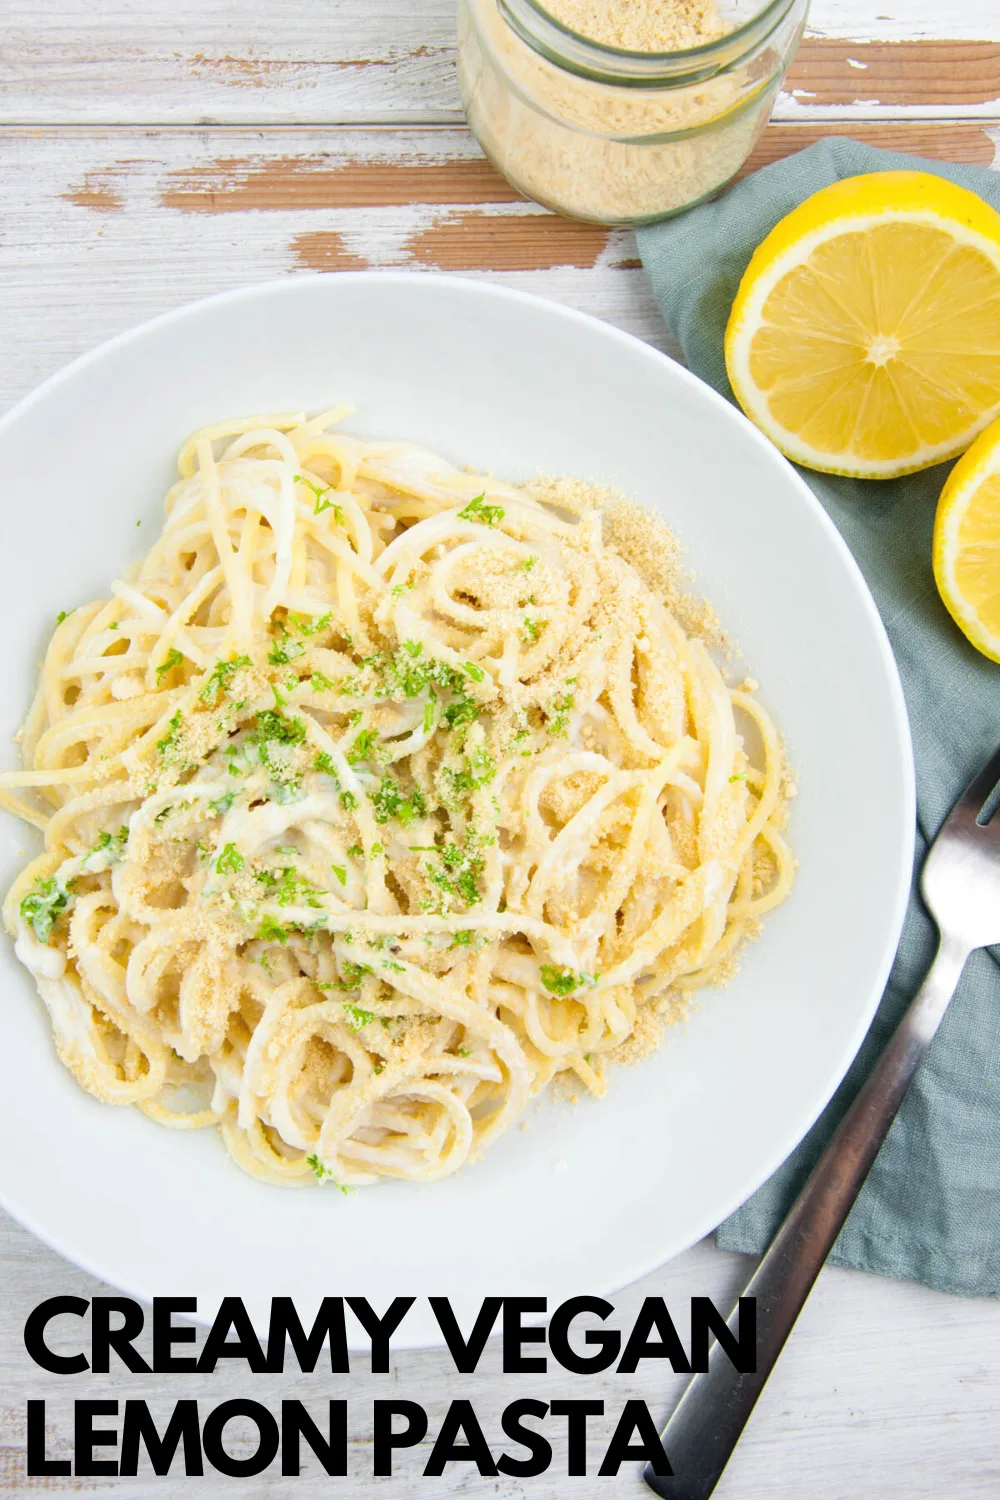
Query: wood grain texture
x=369 y=61
x=329 y=199
x=886 y=1390
x=955 y=75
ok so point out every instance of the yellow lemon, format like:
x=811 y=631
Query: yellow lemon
x=967 y=543
x=865 y=336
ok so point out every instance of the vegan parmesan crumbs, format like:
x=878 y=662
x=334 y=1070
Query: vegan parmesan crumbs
x=613 y=145
x=641 y=25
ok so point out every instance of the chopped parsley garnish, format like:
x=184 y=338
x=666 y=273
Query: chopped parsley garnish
x=357 y=1017
x=563 y=981
x=306 y=626
x=221 y=676
x=340 y=873
x=324 y=762
x=112 y=843
x=459 y=871
x=412 y=648
x=285 y=651
x=461 y=712
x=740 y=776
x=230 y=860
x=274 y=728
x=271 y=931
x=559 y=713
x=462 y=939
x=486 y=515
x=291 y=889
x=476 y=673
x=320 y=493
x=323 y=1174
x=480 y=771
x=532 y=629
x=388 y=802
x=173 y=658
x=167 y=747
x=355 y=851
x=64 y=614
x=526 y=564
x=354 y=973
x=222 y=804
x=320 y=683
x=348 y=801
x=363 y=747
x=44 y=906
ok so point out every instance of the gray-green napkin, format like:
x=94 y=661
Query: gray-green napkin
x=930 y=1210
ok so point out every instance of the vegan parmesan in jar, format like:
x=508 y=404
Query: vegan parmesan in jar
x=622 y=111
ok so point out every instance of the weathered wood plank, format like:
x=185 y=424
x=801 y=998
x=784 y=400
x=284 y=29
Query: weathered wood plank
x=854 y=1408
x=288 y=61
x=955 y=75
x=104 y=227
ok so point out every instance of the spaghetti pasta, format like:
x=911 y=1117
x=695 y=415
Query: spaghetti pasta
x=377 y=795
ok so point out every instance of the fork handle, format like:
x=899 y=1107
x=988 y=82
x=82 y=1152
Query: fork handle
x=713 y=1410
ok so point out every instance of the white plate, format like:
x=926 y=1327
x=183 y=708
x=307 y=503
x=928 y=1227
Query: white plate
x=589 y=1197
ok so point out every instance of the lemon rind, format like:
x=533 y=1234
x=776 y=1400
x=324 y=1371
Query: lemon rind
x=982 y=462
x=746 y=318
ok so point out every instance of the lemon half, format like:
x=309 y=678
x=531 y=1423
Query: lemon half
x=865 y=335
x=967 y=543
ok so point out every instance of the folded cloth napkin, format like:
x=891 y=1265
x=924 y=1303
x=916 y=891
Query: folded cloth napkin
x=930 y=1210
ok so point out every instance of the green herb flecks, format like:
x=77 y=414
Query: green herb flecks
x=559 y=712
x=43 y=907
x=271 y=930
x=285 y=651
x=112 y=844
x=230 y=861
x=172 y=659
x=388 y=802
x=323 y=1174
x=363 y=747
x=275 y=729
x=167 y=748
x=220 y=678
x=458 y=872
x=486 y=515
x=310 y=626
x=563 y=981
x=480 y=769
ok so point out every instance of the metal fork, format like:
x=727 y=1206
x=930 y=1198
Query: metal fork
x=960 y=884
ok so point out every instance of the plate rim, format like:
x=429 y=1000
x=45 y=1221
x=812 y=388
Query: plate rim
x=903 y=745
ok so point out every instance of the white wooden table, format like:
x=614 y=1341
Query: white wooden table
x=153 y=151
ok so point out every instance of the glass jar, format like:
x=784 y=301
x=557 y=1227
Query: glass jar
x=620 y=137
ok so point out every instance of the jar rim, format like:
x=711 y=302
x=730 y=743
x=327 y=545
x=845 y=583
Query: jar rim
x=566 y=48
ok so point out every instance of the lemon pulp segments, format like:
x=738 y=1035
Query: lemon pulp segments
x=967 y=543
x=865 y=337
